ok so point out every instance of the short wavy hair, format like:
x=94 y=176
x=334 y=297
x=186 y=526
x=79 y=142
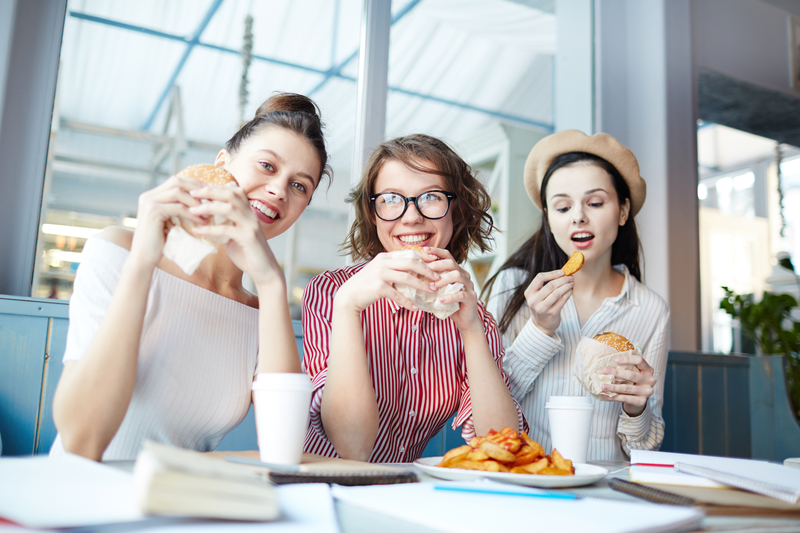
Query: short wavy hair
x=472 y=223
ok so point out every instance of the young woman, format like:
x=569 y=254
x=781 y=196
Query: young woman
x=589 y=190
x=155 y=353
x=387 y=375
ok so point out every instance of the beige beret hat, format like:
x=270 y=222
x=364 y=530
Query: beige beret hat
x=600 y=144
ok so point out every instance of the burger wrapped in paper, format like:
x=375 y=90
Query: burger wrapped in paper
x=594 y=355
x=183 y=247
x=427 y=301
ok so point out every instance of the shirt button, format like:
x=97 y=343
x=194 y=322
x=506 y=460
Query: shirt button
x=413 y=370
x=402 y=448
x=414 y=327
x=412 y=413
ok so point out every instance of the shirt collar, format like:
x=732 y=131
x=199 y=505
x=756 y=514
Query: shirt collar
x=628 y=292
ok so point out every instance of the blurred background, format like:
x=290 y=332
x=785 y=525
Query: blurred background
x=705 y=92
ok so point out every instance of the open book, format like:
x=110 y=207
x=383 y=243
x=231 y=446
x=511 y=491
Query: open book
x=175 y=482
x=770 y=479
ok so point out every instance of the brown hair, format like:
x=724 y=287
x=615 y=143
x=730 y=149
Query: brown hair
x=472 y=224
x=294 y=112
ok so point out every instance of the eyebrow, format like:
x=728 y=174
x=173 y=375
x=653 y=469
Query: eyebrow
x=590 y=191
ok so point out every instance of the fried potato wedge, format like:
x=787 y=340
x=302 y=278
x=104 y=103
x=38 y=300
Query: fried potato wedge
x=496 y=452
x=507 y=451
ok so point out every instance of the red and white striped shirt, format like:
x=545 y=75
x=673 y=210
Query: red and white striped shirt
x=417 y=366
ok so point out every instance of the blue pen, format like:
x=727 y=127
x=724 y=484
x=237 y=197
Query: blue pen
x=496 y=489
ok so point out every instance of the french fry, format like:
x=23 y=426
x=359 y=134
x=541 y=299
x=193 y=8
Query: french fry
x=477 y=455
x=550 y=471
x=496 y=452
x=561 y=463
x=526 y=455
x=507 y=451
x=454 y=455
x=533 y=468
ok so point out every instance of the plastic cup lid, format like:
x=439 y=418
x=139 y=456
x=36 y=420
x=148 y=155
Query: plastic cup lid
x=283 y=380
x=569 y=402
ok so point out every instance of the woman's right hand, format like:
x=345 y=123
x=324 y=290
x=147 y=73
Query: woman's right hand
x=156 y=206
x=377 y=280
x=546 y=296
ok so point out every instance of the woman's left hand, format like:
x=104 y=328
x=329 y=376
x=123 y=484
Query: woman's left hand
x=632 y=395
x=467 y=317
x=247 y=247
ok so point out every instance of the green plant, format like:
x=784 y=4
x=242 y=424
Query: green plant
x=770 y=324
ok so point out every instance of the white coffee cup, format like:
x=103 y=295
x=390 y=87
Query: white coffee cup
x=570 y=424
x=281 y=401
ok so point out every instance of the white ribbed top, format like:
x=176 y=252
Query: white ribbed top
x=197 y=356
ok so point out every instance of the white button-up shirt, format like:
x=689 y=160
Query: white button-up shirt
x=540 y=366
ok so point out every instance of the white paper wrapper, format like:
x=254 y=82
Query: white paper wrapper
x=591 y=357
x=186 y=250
x=427 y=301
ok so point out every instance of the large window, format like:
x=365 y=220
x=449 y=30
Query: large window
x=742 y=224
x=148 y=87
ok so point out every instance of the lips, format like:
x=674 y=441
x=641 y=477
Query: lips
x=582 y=239
x=265 y=213
x=416 y=239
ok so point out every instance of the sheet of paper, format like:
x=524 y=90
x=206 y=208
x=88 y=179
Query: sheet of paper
x=457 y=512
x=70 y=491
x=755 y=470
x=65 y=491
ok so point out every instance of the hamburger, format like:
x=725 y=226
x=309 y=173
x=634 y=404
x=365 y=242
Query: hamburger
x=592 y=356
x=183 y=247
x=427 y=301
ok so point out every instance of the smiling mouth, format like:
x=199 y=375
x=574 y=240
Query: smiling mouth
x=264 y=210
x=414 y=239
x=582 y=237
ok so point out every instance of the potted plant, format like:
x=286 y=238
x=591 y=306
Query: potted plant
x=769 y=323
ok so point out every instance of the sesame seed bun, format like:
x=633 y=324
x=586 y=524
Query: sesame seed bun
x=208 y=174
x=618 y=342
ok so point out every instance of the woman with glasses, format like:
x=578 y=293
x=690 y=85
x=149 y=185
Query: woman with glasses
x=387 y=375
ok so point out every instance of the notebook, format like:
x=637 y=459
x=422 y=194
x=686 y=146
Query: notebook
x=319 y=469
x=712 y=501
x=170 y=481
x=769 y=479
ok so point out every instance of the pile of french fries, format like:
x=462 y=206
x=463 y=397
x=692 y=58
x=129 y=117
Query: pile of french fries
x=507 y=451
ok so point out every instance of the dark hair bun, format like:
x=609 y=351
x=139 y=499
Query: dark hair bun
x=289 y=103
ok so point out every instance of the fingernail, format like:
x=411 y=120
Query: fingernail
x=432 y=286
x=619 y=360
x=441 y=300
x=436 y=276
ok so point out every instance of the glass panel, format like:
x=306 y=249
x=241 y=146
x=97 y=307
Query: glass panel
x=121 y=127
x=478 y=75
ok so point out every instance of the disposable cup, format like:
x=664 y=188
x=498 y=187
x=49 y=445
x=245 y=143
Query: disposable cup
x=281 y=401
x=570 y=425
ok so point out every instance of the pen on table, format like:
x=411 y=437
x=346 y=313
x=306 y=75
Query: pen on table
x=505 y=491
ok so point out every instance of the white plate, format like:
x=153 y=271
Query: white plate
x=584 y=475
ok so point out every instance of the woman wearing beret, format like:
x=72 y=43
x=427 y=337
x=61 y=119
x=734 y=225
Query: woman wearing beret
x=589 y=190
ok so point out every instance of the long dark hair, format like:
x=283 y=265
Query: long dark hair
x=540 y=253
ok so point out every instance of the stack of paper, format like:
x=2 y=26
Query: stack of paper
x=770 y=479
x=420 y=505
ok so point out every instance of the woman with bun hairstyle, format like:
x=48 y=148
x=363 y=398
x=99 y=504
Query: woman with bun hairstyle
x=589 y=190
x=386 y=374
x=155 y=353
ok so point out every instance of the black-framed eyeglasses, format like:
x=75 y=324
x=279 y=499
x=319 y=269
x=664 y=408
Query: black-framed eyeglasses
x=432 y=205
